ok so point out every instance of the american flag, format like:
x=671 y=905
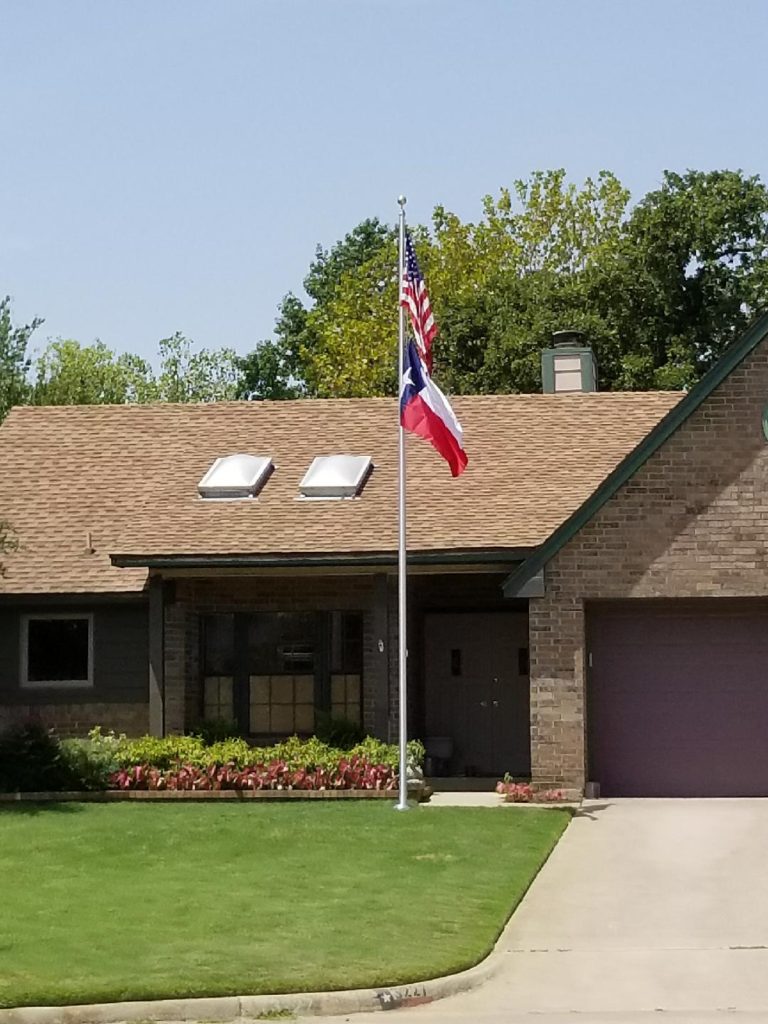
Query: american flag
x=413 y=295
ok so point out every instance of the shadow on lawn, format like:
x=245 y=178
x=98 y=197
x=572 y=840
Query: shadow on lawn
x=30 y=807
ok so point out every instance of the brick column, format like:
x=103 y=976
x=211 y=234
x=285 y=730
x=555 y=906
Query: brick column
x=556 y=630
x=181 y=661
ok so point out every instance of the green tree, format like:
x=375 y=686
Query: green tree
x=659 y=289
x=68 y=373
x=203 y=376
x=14 y=361
x=695 y=272
x=287 y=365
x=498 y=288
x=264 y=374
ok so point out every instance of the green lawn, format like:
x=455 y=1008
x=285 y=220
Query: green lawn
x=102 y=902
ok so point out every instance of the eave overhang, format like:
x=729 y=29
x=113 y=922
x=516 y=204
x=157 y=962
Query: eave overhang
x=331 y=560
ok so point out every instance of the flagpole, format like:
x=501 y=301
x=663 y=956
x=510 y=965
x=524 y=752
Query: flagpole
x=402 y=564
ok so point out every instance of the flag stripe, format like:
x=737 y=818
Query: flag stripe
x=420 y=419
x=432 y=396
x=425 y=411
x=415 y=298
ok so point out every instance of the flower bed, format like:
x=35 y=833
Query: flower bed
x=354 y=773
x=34 y=760
x=524 y=793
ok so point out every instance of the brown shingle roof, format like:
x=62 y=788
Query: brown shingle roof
x=128 y=476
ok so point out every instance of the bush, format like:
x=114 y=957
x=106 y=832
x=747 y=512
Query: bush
x=161 y=752
x=215 y=730
x=338 y=732
x=92 y=761
x=31 y=761
x=348 y=773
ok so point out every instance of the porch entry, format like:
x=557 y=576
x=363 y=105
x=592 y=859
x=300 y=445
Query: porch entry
x=477 y=690
x=273 y=673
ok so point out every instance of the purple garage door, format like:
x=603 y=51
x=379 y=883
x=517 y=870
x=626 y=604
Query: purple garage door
x=678 y=698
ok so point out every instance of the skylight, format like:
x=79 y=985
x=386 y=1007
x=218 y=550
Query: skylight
x=235 y=476
x=336 y=476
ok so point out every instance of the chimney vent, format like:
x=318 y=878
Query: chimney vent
x=569 y=366
x=566 y=339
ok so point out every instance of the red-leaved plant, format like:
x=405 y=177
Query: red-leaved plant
x=523 y=793
x=352 y=773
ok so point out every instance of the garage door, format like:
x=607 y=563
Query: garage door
x=678 y=698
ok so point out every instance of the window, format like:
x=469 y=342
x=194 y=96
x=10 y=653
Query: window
x=346 y=666
x=272 y=671
x=236 y=476
x=281 y=659
x=282 y=704
x=218 y=668
x=336 y=476
x=56 y=650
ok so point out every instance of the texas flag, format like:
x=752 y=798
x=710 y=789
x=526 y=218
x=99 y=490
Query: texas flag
x=424 y=410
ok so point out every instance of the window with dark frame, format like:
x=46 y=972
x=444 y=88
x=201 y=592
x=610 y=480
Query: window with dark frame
x=57 y=650
x=295 y=663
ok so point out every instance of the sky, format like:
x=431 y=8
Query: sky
x=171 y=165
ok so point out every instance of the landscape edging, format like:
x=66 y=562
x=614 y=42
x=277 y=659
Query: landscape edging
x=108 y=795
x=229 y=1008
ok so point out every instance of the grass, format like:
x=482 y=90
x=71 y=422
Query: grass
x=104 y=902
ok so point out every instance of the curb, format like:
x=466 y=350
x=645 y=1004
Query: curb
x=230 y=1008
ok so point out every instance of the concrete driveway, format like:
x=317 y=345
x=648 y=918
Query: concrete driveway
x=645 y=906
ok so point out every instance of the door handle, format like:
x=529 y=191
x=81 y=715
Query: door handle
x=483 y=703
x=495 y=703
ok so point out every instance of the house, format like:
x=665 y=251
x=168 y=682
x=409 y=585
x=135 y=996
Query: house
x=588 y=602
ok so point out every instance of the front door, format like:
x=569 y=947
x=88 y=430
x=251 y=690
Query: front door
x=477 y=689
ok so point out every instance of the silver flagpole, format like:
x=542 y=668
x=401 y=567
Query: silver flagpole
x=402 y=804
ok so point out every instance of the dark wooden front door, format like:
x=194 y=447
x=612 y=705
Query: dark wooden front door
x=477 y=689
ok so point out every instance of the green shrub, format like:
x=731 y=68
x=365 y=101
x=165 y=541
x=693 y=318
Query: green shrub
x=162 y=752
x=31 y=761
x=338 y=732
x=295 y=752
x=91 y=761
x=235 y=751
x=215 y=730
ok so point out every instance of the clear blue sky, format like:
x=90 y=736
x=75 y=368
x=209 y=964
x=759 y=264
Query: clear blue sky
x=171 y=164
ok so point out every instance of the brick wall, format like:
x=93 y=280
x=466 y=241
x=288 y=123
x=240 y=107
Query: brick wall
x=72 y=720
x=692 y=522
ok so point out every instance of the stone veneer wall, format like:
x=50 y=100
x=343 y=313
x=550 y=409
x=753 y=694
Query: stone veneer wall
x=692 y=522
x=72 y=720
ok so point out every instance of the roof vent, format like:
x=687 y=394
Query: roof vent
x=336 y=476
x=236 y=476
x=569 y=366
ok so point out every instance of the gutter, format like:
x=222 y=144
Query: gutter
x=466 y=556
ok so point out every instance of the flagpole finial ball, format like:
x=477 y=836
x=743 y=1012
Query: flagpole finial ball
x=402 y=200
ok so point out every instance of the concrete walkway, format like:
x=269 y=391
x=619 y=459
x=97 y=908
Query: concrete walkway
x=645 y=906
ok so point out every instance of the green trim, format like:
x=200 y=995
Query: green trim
x=587 y=367
x=479 y=556
x=731 y=358
x=765 y=422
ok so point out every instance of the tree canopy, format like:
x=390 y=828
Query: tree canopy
x=14 y=360
x=659 y=288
